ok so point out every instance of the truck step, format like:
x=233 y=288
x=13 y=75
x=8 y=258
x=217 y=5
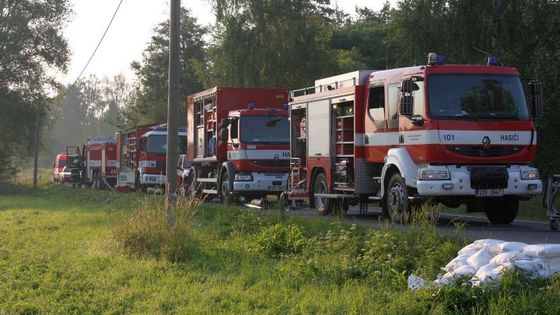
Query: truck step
x=341 y=196
x=210 y=191
x=207 y=180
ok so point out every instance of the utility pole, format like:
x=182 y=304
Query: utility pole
x=36 y=146
x=172 y=112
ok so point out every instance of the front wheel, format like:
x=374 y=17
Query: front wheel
x=194 y=186
x=226 y=194
x=323 y=205
x=396 y=204
x=501 y=210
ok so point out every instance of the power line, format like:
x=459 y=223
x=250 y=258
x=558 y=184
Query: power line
x=95 y=50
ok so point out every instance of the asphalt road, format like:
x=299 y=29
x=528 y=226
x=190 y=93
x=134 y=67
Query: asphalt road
x=531 y=232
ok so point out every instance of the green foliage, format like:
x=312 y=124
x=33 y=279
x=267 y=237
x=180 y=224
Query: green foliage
x=271 y=43
x=60 y=254
x=33 y=49
x=279 y=239
x=145 y=232
x=150 y=97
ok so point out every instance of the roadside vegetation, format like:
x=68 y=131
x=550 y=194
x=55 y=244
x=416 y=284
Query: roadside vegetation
x=67 y=250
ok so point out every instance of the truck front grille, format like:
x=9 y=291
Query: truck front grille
x=468 y=150
x=272 y=163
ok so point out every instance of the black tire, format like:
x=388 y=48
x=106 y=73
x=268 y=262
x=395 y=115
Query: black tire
x=227 y=195
x=323 y=205
x=501 y=210
x=283 y=202
x=340 y=207
x=553 y=224
x=396 y=205
x=140 y=187
x=194 y=187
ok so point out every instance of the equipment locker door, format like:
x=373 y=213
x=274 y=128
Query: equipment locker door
x=319 y=128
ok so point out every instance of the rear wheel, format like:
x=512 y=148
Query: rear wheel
x=501 y=210
x=323 y=205
x=396 y=204
x=226 y=194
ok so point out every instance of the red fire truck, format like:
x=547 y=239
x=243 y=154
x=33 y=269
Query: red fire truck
x=239 y=142
x=455 y=134
x=99 y=156
x=141 y=154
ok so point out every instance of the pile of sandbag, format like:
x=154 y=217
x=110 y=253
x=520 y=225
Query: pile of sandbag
x=484 y=261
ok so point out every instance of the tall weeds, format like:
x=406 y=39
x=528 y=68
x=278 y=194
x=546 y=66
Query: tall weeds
x=144 y=232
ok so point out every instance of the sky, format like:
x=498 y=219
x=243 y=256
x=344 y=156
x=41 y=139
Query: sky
x=131 y=31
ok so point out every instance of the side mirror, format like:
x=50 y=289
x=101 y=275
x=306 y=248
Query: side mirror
x=407 y=105
x=223 y=135
x=407 y=99
x=225 y=122
x=535 y=99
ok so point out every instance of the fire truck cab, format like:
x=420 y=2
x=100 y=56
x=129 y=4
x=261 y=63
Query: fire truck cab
x=455 y=134
x=239 y=143
x=141 y=155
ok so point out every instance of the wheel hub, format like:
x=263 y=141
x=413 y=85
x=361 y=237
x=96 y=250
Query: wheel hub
x=396 y=195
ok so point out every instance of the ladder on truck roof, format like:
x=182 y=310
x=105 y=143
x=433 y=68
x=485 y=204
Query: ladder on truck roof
x=354 y=78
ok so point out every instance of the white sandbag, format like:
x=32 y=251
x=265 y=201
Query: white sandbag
x=507 y=257
x=415 y=282
x=486 y=274
x=465 y=270
x=543 y=250
x=469 y=249
x=506 y=247
x=480 y=258
x=550 y=266
x=457 y=262
x=531 y=266
x=487 y=242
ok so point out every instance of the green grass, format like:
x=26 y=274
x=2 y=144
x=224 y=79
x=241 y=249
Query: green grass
x=61 y=252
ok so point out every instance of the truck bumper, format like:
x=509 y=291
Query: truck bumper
x=262 y=182
x=152 y=179
x=459 y=183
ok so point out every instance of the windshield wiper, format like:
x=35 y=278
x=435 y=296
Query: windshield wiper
x=496 y=117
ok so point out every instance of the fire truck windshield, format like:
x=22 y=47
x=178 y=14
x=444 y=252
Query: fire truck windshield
x=157 y=144
x=264 y=129
x=476 y=96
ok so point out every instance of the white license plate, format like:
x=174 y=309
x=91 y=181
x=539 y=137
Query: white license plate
x=276 y=188
x=489 y=192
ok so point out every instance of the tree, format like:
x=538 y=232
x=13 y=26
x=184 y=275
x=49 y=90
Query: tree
x=271 y=43
x=32 y=48
x=90 y=109
x=150 y=96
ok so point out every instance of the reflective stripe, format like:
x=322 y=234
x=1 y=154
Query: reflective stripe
x=471 y=137
x=258 y=155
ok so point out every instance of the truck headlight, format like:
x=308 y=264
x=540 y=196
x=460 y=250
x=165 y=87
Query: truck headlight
x=530 y=173
x=433 y=174
x=245 y=177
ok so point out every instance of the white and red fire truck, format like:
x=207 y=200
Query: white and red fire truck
x=239 y=142
x=455 y=134
x=99 y=156
x=141 y=154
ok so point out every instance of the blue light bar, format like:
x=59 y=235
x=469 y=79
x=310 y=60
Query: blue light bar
x=492 y=61
x=251 y=106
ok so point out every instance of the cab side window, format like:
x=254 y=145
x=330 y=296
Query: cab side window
x=376 y=103
x=393 y=104
x=234 y=129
